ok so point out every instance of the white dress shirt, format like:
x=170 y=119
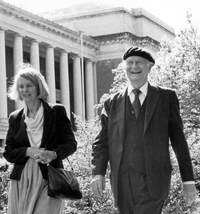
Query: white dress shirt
x=142 y=95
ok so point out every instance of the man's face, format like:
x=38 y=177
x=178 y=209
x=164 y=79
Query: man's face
x=137 y=69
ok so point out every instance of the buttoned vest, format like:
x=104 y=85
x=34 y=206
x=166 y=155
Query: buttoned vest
x=133 y=145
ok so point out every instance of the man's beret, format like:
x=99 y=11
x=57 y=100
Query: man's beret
x=135 y=51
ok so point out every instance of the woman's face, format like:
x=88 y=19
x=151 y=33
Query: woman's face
x=27 y=90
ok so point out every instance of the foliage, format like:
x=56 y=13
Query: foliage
x=4 y=184
x=81 y=162
x=177 y=67
x=119 y=82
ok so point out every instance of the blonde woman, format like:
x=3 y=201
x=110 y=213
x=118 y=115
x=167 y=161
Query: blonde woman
x=36 y=126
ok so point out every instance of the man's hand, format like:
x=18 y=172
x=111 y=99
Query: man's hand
x=189 y=193
x=98 y=185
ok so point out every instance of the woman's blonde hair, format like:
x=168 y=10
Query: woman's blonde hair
x=29 y=73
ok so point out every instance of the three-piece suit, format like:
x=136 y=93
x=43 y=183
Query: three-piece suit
x=143 y=143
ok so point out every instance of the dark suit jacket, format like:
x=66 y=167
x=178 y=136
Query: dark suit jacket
x=57 y=136
x=162 y=123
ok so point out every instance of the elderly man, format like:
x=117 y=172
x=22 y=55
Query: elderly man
x=137 y=126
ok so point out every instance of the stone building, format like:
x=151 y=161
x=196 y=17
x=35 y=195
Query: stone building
x=115 y=29
x=75 y=52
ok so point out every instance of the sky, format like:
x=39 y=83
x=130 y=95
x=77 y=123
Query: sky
x=172 y=12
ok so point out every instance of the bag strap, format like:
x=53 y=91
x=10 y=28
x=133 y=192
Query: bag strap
x=66 y=158
x=70 y=164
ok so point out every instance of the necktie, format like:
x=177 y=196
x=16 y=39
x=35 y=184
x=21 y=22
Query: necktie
x=136 y=103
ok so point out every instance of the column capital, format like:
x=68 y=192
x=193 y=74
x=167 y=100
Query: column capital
x=18 y=35
x=3 y=29
x=88 y=60
x=75 y=56
x=34 y=41
x=64 y=51
x=49 y=46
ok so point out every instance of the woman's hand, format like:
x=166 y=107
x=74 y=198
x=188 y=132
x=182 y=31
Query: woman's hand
x=34 y=152
x=46 y=156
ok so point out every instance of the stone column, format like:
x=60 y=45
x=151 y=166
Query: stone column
x=64 y=82
x=34 y=54
x=17 y=60
x=96 y=101
x=78 y=101
x=17 y=51
x=50 y=74
x=3 y=85
x=89 y=87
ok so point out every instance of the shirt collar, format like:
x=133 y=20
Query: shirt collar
x=143 y=89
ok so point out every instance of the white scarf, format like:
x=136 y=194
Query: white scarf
x=34 y=127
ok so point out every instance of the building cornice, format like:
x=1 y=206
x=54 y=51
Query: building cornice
x=127 y=37
x=88 y=14
x=133 y=13
x=141 y=13
x=45 y=24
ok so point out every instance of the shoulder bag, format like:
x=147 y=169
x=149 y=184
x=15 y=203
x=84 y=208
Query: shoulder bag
x=63 y=183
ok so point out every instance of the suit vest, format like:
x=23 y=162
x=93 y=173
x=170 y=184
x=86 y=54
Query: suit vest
x=133 y=148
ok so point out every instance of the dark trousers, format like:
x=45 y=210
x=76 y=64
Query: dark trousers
x=134 y=197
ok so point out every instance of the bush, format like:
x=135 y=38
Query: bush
x=4 y=184
x=81 y=162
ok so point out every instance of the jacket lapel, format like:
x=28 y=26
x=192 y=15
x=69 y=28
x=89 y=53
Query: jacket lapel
x=22 y=133
x=152 y=99
x=47 y=123
x=121 y=107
